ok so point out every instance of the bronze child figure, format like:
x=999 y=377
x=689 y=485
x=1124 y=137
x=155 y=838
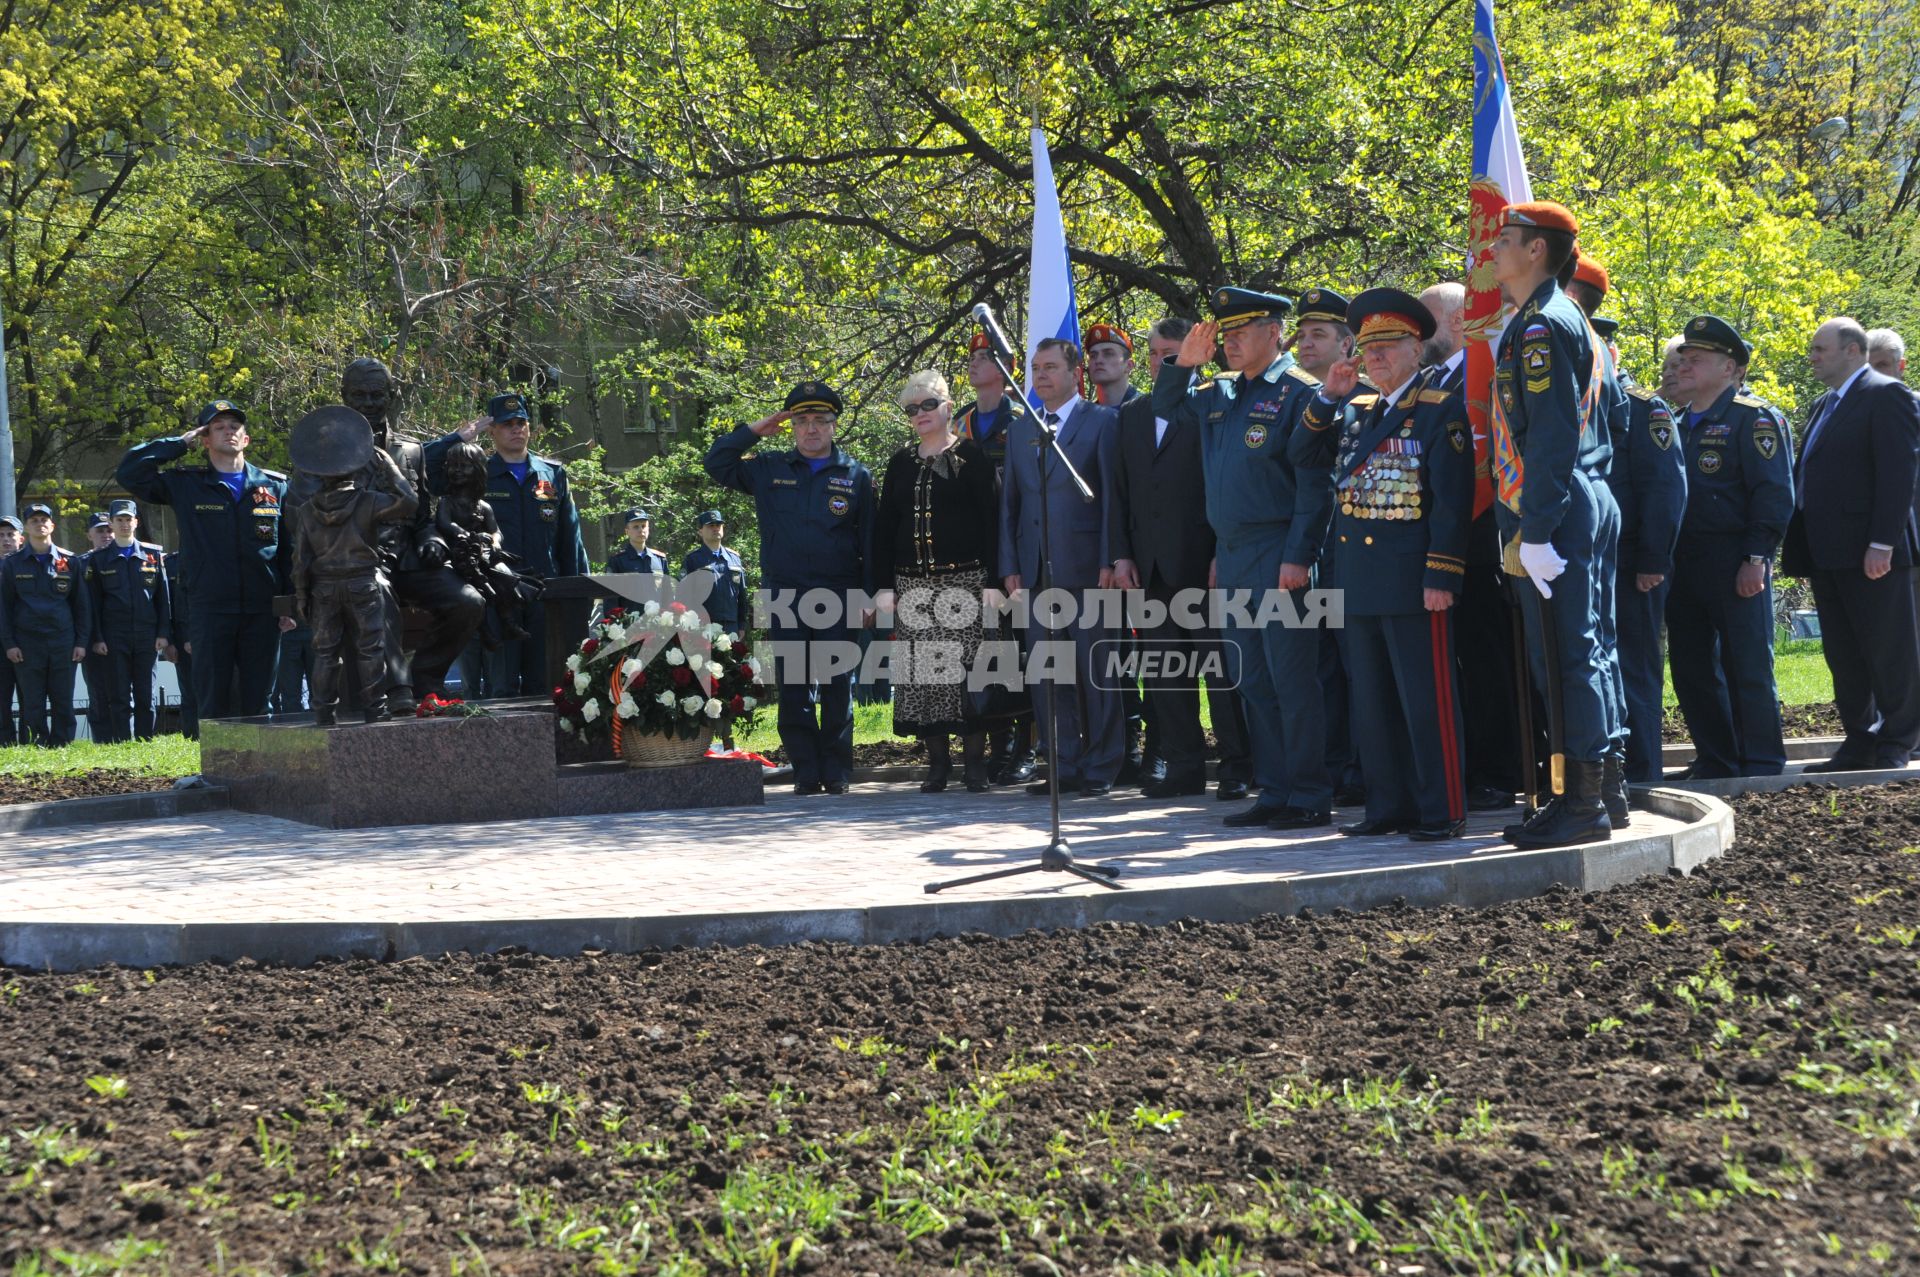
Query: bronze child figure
x=466 y=523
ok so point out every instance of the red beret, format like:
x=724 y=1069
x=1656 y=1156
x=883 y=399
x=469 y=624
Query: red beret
x=979 y=342
x=1591 y=273
x=1543 y=214
x=1097 y=333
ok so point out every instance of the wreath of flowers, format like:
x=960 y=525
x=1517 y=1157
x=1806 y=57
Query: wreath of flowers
x=660 y=670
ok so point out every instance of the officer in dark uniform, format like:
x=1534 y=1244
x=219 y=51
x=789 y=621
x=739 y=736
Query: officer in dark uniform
x=538 y=522
x=1739 y=499
x=816 y=509
x=1109 y=366
x=180 y=647
x=95 y=672
x=1648 y=480
x=727 y=603
x=9 y=732
x=1269 y=517
x=44 y=623
x=1557 y=520
x=1404 y=499
x=633 y=555
x=132 y=614
x=229 y=513
x=1012 y=758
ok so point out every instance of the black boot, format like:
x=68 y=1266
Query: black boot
x=939 y=764
x=973 y=748
x=1576 y=816
x=1613 y=786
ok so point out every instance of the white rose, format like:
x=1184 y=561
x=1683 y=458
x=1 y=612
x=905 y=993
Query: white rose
x=713 y=632
x=652 y=608
x=616 y=634
x=626 y=708
x=632 y=669
x=590 y=711
x=753 y=667
x=566 y=727
x=667 y=699
x=695 y=662
x=690 y=705
x=676 y=657
x=689 y=620
x=748 y=702
x=573 y=662
x=581 y=682
x=714 y=707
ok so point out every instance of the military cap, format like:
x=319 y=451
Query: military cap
x=635 y=516
x=1591 y=273
x=1710 y=332
x=1235 y=307
x=1387 y=314
x=1605 y=327
x=122 y=506
x=98 y=519
x=813 y=396
x=37 y=507
x=1322 y=306
x=1097 y=333
x=505 y=408
x=1542 y=215
x=217 y=407
x=11 y=522
x=711 y=516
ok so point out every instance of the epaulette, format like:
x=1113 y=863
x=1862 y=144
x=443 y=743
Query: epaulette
x=1301 y=374
x=1638 y=391
x=1748 y=401
x=1363 y=401
x=1433 y=394
x=273 y=474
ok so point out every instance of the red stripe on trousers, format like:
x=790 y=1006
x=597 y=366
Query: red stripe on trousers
x=1443 y=695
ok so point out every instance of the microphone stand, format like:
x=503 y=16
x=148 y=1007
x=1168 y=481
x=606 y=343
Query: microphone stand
x=1058 y=855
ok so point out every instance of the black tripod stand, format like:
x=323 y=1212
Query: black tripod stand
x=1057 y=857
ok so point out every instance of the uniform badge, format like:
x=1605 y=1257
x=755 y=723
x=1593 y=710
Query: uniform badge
x=1458 y=436
x=1256 y=435
x=543 y=491
x=549 y=512
x=1662 y=432
x=1766 y=443
x=1709 y=462
x=839 y=504
x=263 y=495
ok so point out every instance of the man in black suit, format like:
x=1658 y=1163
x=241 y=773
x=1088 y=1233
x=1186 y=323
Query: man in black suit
x=1162 y=544
x=1887 y=355
x=1853 y=534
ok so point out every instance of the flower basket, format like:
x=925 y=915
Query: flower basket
x=656 y=685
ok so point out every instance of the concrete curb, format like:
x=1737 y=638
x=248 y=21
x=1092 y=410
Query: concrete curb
x=1475 y=880
x=1737 y=785
x=1799 y=748
x=157 y=804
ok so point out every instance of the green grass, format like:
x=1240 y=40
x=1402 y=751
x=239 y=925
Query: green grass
x=161 y=756
x=1799 y=669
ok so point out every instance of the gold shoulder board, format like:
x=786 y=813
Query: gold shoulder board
x=1301 y=374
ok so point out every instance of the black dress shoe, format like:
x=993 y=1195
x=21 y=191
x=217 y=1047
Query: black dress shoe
x=1091 y=790
x=1251 y=817
x=1350 y=796
x=1176 y=786
x=836 y=787
x=806 y=788
x=1487 y=798
x=1837 y=764
x=1299 y=818
x=1019 y=770
x=1439 y=832
x=1232 y=791
x=1375 y=828
x=1039 y=787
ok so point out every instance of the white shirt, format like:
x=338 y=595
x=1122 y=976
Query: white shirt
x=1453 y=361
x=1831 y=406
x=1159 y=431
x=1394 y=398
x=1063 y=412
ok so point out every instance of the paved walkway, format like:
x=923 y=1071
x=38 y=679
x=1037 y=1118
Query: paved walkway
x=875 y=847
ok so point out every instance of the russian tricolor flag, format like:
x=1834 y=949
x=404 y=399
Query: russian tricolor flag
x=1051 y=311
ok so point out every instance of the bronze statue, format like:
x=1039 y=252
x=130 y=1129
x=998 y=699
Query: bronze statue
x=465 y=521
x=355 y=492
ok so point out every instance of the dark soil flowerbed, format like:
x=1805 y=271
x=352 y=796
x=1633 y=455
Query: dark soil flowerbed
x=1686 y=1075
x=1819 y=719
x=41 y=787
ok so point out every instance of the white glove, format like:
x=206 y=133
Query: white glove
x=1542 y=563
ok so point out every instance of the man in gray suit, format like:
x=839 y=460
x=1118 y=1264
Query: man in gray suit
x=1087 y=717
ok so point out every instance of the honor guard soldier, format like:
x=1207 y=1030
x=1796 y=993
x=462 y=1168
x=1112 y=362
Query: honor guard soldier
x=1269 y=518
x=1720 y=615
x=1648 y=480
x=1403 y=479
x=634 y=556
x=727 y=603
x=229 y=514
x=9 y=729
x=1557 y=520
x=44 y=623
x=816 y=510
x=538 y=523
x=132 y=611
x=99 y=531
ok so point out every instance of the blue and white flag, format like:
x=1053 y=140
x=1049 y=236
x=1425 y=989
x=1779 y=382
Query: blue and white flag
x=1050 y=306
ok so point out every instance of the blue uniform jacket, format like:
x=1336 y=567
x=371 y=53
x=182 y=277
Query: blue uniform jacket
x=176 y=599
x=1544 y=376
x=238 y=550
x=1404 y=491
x=816 y=527
x=1648 y=481
x=1739 y=477
x=627 y=559
x=1257 y=494
x=537 y=518
x=727 y=603
x=43 y=603
x=129 y=595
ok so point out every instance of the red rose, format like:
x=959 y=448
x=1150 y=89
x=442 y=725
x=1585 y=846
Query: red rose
x=740 y=649
x=615 y=613
x=589 y=647
x=682 y=676
x=736 y=706
x=676 y=607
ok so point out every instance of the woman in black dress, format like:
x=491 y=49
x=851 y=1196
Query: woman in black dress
x=938 y=538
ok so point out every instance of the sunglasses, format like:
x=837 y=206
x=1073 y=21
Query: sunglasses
x=925 y=405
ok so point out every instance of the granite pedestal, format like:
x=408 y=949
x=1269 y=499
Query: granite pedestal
x=498 y=765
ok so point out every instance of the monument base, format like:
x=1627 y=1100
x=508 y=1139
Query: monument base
x=499 y=764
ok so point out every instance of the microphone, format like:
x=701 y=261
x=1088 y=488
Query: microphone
x=983 y=316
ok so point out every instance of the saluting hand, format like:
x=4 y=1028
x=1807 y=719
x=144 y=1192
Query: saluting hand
x=471 y=431
x=771 y=424
x=1196 y=348
x=194 y=437
x=1342 y=379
